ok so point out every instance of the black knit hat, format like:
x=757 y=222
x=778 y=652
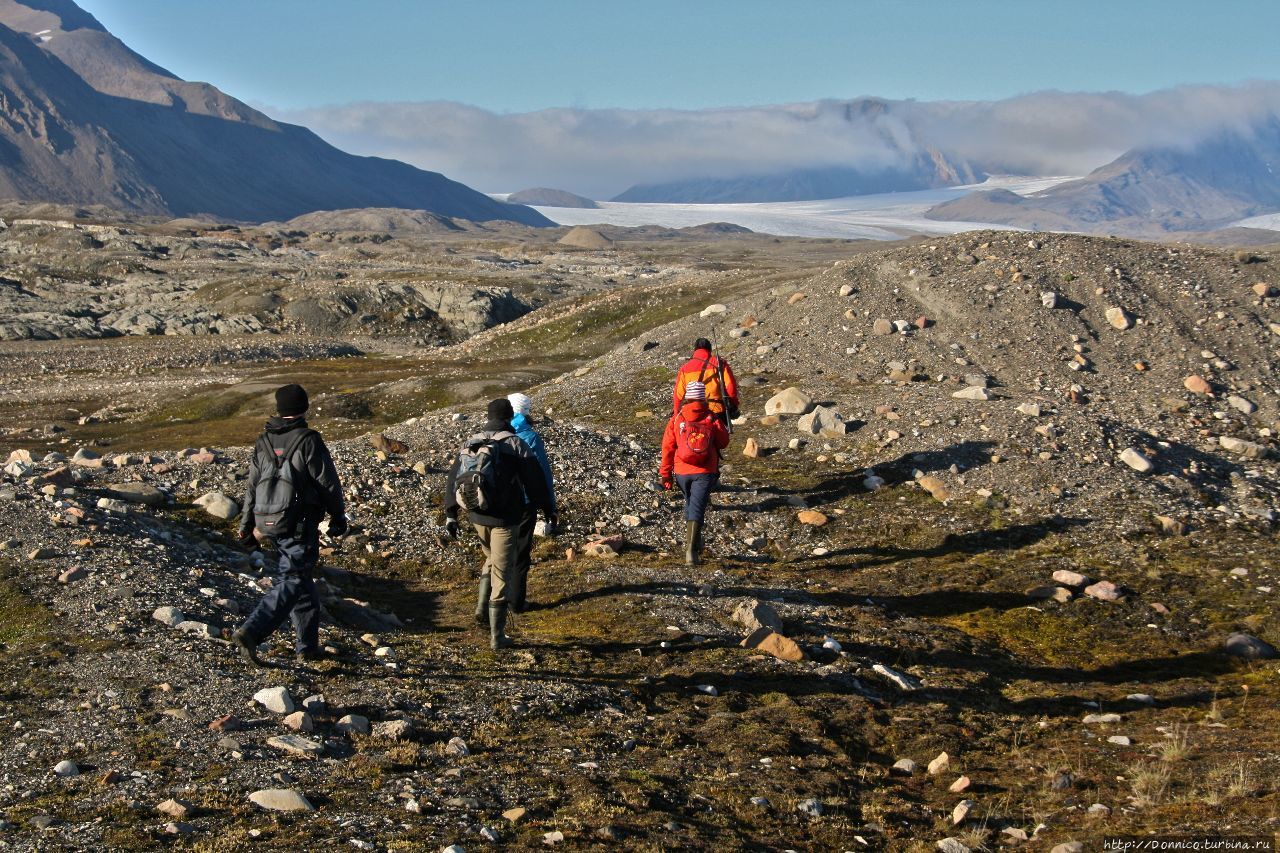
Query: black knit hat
x=292 y=401
x=500 y=410
x=702 y=343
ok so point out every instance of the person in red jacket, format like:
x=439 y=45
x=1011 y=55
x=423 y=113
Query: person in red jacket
x=691 y=449
x=715 y=374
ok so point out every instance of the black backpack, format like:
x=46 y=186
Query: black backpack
x=276 y=498
x=476 y=486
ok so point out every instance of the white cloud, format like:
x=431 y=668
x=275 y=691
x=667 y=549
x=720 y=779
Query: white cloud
x=600 y=153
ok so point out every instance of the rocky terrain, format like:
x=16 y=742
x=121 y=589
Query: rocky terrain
x=997 y=529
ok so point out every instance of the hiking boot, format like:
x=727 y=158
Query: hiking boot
x=247 y=648
x=310 y=655
x=692 y=542
x=482 y=601
x=498 y=638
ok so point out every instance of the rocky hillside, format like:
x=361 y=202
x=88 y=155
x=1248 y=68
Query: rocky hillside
x=997 y=572
x=87 y=121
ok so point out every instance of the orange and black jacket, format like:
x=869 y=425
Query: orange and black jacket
x=707 y=369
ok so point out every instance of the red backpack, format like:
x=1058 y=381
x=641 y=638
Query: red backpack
x=695 y=442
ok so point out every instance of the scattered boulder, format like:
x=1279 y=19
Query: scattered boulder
x=281 y=800
x=1240 y=447
x=1075 y=580
x=393 y=730
x=905 y=767
x=296 y=745
x=974 y=392
x=275 y=699
x=1050 y=592
x=352 y=724
x=1136 y=460
x=1119 y=318
x=882 y=327
x=771 y=642
x=754 y=615
x=218 y=505
x=939 y=764
x=1249 y=647
x=300 y=721
x=811 y=517
x=170 y=616
x=66 y=769
x=714 y=310
x=751 y=449
x=810 y=807
x=792 y=401
x=1104 y=591
x=1197 y=385
x=138 y=493
x=962 y=811
x=1242 y=404
x=176 y=809
x=822 y=421
x=935 y=487
x=952 y=845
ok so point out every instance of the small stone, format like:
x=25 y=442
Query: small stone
x=1171 y=526
x=901 y=680
x=952 y=845
x=973 y=392
x=906 y=767
x=811 y=517
x=226 y=723
x=42 y=554
x=1096 y=719
x=300 y=721
x=935 y=487
x=810 y=807
x=1119 y=740
x=773 y=643
x=629 y=521
x=1031 y=410
x=199 y=629
x=516 y=814
x=1068 y=847
x=1050 y=592
x=1014 y=832
x=962 y=811
x=1048 y=299
x=281 y=800
x=170 y=616
x=296 y=745
x=553 y=837
x=314 y=704
x=795 y=297
x=882 y=327
x=960 y=785
x=176 y=809
x=1240 y=447
x=73 y=575
x=66 y=769
x=1103 y=591
x=1119 y=318
x=275 y=699
x=138 y=493
x=488 y=833
x=711 y=310
x=751 y=449
x=1136 y=460
x=393 y=730
x=1249 y=647
x=708 y=689
x=1197 y=385
x=1242 y=405
x=352 y=724
x=939 y=764
x=457 y=747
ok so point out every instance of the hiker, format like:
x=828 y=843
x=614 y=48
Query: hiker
x=292 y=485
x=517 y=602
x=715 y=374
x=691 y=448
x=492 y=478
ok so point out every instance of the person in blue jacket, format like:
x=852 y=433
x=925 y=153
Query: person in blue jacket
x=524 y=430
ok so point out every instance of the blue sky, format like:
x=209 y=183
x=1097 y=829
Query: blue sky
x=522 y=55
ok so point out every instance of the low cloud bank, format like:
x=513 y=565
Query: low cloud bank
x=600 y=153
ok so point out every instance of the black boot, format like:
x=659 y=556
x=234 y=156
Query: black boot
x=498 y=638
x=482 y=601
x=247 y=648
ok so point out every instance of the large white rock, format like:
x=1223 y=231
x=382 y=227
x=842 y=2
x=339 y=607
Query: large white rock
x=973 y=392
x=792 y=401
x=1119 y=318
x=170 y=616
x=275 y=699
x=281 y=800
x=218 y=505
x=712 y=310
x=1240 y=447
x=822 y=421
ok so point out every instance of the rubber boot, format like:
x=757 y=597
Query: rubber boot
x=692 y=533
x=482 y=600
x=697 y=540
x=498 y=638
x=247 y=648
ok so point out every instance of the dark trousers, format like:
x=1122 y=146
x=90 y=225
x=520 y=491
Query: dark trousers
x=293 y=595
x=520 y=571
x=697 y=489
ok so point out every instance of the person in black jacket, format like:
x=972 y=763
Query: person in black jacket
x=318 y=491
x=519 y=475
